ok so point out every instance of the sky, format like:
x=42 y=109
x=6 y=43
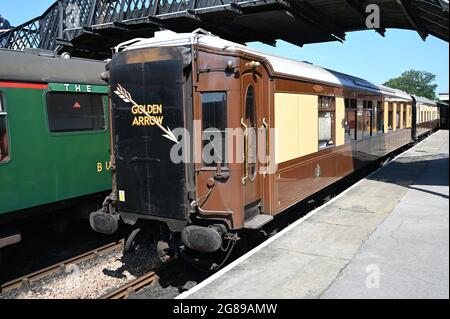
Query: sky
x=364 y=54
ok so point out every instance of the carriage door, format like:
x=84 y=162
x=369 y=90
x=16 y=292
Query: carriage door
x=251 y=121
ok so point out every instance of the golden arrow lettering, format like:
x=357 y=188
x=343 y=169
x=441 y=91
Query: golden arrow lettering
x=127 y=98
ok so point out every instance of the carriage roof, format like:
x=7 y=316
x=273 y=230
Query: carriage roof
x=424 y=100
x=45 y=67
x=279 y=65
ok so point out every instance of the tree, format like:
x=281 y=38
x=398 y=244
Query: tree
x=419 y=83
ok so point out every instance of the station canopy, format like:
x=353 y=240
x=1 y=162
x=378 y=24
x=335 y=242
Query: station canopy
x=89 y=28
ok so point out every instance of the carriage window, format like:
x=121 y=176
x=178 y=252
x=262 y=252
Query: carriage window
x=350 y=120
x=390 y=117
x=326 y=121
x=4 y=145
x=404 y=115
x=380 y=118
x=368 y=117
x=75 y=112
x=250 y=119
x=360 y=120
x=214 y=123
x=326 y=102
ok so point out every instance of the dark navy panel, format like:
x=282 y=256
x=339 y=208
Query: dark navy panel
x=151 y=183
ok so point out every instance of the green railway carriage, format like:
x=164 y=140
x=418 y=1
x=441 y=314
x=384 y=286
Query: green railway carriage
x=54 y=132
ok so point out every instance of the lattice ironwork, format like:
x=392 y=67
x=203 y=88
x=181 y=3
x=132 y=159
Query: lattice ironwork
x=91 y=27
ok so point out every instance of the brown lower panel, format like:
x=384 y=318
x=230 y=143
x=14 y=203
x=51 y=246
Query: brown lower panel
x=297 y=179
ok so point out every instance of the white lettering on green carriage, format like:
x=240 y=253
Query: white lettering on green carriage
x=78 y=88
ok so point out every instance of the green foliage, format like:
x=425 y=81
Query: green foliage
x=420 y=83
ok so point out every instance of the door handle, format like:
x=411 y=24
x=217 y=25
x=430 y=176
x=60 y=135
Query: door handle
x=244 y=178
x=266 y=127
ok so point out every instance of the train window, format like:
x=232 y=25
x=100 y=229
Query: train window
x=390 y=117
x=4 y=145
x=74 y=112
x=214 y=124
x=326 y=102
x=360 y=120
x=380 y=118
x=368 y=117
x=326 y=121
x=250 y=119
x=404 y=116
x=350 y=120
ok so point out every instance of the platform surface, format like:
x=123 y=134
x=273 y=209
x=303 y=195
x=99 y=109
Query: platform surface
x=386 y=237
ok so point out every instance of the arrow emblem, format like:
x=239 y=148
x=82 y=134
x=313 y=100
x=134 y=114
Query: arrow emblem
x=127 y=98
x=168 y=132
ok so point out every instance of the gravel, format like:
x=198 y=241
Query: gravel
x=90 y=279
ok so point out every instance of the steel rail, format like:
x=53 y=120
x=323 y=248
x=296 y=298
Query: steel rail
x=60 y=267
x=126 y=290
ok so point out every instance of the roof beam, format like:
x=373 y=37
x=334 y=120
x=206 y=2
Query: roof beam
x=90 y=31
x=244 y=32
x=358 y=8
x=121 y=26
x=434 y=5
x=436 y=22
x=315 y=17
x=412 y=19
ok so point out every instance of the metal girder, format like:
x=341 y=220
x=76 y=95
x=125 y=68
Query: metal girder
x=412 y=19
x=315 y=17
x=244 y=32
x=76 y=22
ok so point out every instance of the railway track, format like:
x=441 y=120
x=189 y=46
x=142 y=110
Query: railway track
x=126 y=290
x=60 y=267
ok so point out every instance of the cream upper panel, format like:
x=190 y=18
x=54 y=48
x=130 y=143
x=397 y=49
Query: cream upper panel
x=296 y=125
x=340 y=120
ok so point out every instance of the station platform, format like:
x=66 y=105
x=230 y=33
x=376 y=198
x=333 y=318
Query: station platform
x=385 y=237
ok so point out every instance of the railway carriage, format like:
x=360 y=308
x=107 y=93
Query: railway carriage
x=427 y=115
x=443 y=115
x=54 y=135
x=255 y=134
